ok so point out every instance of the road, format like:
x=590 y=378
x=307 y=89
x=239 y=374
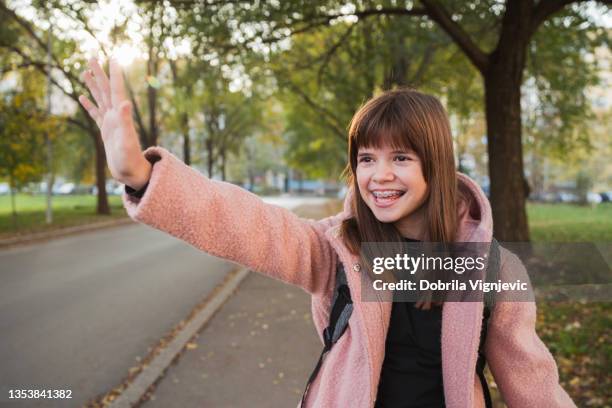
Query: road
x=77 y=312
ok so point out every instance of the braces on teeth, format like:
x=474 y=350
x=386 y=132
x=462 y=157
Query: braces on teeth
x=387 y=194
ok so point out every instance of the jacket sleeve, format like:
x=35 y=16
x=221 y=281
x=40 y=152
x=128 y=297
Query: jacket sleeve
x=226 y=221
x=523 y=368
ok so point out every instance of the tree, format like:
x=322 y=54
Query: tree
x=500 y=57
x=26 y=42
x=228 y=117
x=23 y=125
x=326 y=75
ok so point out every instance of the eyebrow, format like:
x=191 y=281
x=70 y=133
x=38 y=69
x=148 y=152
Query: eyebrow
x=393 y=152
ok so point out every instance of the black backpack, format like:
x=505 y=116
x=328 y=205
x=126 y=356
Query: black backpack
x=342 y=308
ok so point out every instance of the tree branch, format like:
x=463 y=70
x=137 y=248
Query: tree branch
x=331 y=119
x=40 y=66
x=547 y=8
x=327 y=56
x=141 y=128
x=78 y=124
x=437 y=13
x=81 y=19
x=422 y=68
x=30 y=30
x=323 y=20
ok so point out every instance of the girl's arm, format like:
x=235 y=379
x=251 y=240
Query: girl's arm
x=218 y=218
x=524 y=369
x=229 y=222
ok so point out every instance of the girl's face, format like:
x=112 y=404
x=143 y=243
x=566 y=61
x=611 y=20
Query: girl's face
x=391 y=183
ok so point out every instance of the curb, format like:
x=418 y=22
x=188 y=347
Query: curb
x=151 y=373
x=43 y=236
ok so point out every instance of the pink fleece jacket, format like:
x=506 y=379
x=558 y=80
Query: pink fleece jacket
x=226 y=221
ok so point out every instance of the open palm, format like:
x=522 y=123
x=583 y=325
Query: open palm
x=112 y=112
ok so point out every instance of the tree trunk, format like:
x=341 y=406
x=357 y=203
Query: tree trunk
x=152 y=102
x=13 y=205
x=222 y=158
x=186 y=141
x=210 y=158
x=503 y=112
x=102 y=204
x=251 y=175
x=397 y=72
x=152 y=71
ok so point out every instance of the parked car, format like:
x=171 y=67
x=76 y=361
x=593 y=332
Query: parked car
x=564 y=197
x=119 y=189
x=111 y=189
x=606 y=196
x=64 y=189
x=593 y=198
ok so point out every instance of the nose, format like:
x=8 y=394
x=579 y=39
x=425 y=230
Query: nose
x=383 y=173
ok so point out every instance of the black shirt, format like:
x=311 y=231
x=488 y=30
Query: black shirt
x=411 y=375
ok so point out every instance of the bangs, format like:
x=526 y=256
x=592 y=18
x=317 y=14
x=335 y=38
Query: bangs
x=386 y=125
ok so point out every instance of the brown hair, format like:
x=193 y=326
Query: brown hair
x=400 y=119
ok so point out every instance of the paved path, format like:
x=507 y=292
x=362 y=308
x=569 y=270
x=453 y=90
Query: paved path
x=76 y=313
x=257 y=351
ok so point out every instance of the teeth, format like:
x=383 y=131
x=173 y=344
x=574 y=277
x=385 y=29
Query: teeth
x=382 y=194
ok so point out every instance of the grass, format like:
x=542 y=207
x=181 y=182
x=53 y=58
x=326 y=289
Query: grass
x=67 y=211
x=570 y=223
x=577 y=334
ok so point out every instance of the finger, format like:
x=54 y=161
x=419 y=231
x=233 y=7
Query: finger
x=125 y=110
x=93 y=88
x=116 y=83
x=101 y=80
x=90 y=108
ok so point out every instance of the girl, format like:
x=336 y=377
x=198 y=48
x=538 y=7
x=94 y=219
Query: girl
x=403 y=186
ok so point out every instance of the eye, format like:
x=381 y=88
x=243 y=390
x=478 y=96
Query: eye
x=403 y=158
x=365 y=159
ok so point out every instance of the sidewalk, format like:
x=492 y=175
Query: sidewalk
x=257 y=351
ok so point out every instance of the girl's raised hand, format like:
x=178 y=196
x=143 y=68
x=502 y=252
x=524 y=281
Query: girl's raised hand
x=112 y=112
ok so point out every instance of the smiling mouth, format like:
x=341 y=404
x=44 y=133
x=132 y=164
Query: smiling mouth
x=386 y=198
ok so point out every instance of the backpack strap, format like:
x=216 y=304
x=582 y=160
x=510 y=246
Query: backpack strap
x=342 y=308
x=489 y=304
x=492 y=272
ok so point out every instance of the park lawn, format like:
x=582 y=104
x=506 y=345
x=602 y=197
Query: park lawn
x=577 y=334
x=570 y=223
x=68 y=210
